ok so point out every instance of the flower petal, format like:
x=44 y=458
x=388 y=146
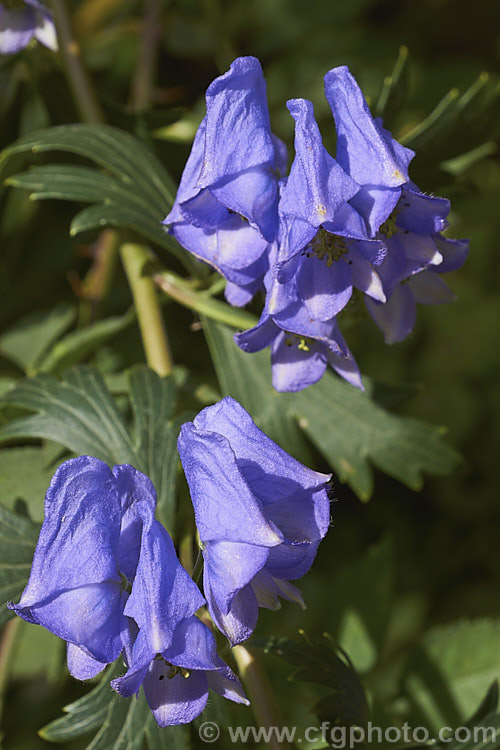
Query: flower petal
x=454 y=253
x=178 y=700
x=260 y=459
x=294 y=369
x=325 y=290
x=423 y=214
x=428 y=288
x=82 y=522
x=45 y=30
x=193 y=646
x=364 y=148
x=225 y=683
x=17 y=28
x=317 y=186
x=239 y=623
x=133 y=486
x=396 y=318
x=259 y=336
x=80 y=665
x=163 y=593
x=217 y=485
x=230 y=566
x=239 y=149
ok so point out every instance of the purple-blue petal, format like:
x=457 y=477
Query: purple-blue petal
x=364 y=149
x=396 y=318
x=261 y=461
x=133 y=486
x=229 y=566
x=239 y=623
x=80 y=665
x=80 y=603
x=325 y=290
x=317 y=186
x=163 y=593
x=217 y=484
x=294 y=369
x=193 y=646
x=423 y=214
x=178 y=700
x=225 y=683
x=239 y=149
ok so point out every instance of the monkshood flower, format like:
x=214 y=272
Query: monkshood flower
x=407 y=221
x=366 y=150
x=417 y=256
x=260 y=515
x=106 y=579
x=88 y=538
x=174 y=654
x=301 y=348
x=325 y=249
x=226 y=208
x=23 y=20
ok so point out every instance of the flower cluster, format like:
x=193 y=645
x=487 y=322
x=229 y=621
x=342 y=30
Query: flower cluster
x=310 y=238
x=23 y=20
x=106 y=577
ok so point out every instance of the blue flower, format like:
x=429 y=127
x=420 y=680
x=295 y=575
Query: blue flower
x=365 y=150
x=20 y=21
x=106 y=579
x=407 y=222
x=89 y=537
x=325 y=250
x=417 y=256
x=226 y=208
x=173 y=655
x=260 y=515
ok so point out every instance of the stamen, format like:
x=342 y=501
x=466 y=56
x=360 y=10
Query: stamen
x=326 y=246
x=303 y=343
x=389 y=228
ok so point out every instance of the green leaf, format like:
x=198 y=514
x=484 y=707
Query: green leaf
x=458 y=122
x=346 y=426
x=452 y=670
x=152 y=399
x=83 y=715
x=324 y=663
x=394 y=88
x=77 y=345
x=134 y=191
x=24 y=475
x=31 y=337
x=80 y=414
x=122 y=723
x=18 y=536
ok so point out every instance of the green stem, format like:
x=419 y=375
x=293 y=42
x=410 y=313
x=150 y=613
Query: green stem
x=153 y=332
x=260 y=693
x=142 y=89
x=9 y=634
x=85 y=98
x=179 y=290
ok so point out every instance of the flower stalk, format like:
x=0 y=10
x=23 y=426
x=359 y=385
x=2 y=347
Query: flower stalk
x=153 y=333
x=260 y=693
x=83 y=92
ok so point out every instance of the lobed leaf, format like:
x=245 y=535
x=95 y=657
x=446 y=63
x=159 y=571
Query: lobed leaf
x=80 y=414
x=323 y=663
x=18 y=536
x=134 y=191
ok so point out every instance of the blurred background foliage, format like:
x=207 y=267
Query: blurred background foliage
x=395 y=574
